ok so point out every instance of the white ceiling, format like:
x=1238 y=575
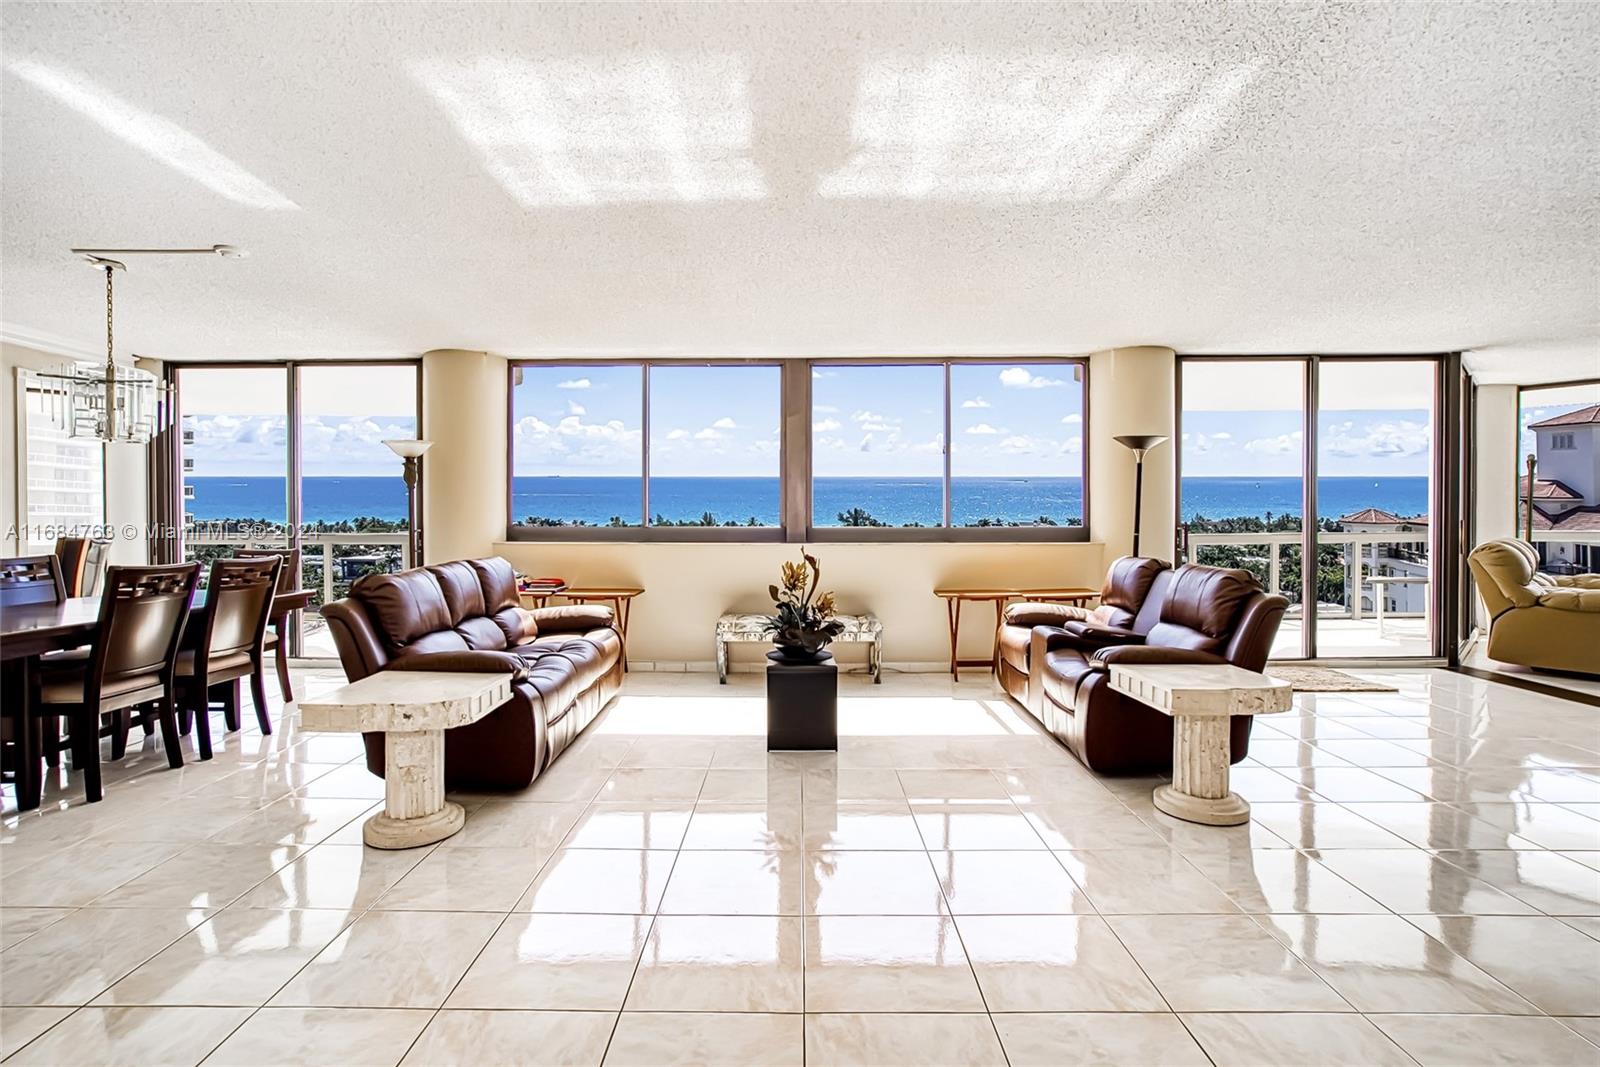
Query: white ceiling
x=548 y=180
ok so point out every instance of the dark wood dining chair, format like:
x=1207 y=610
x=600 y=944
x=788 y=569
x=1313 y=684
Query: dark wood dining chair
x=289 y=579
x=31 y=580
x=131 y=662
x=233 y=627
x=83 y=563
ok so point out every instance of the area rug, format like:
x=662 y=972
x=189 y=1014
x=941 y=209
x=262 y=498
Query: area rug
x=1326 y=680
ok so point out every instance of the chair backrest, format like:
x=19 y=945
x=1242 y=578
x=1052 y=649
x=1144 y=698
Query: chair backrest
x=142 y=614
x=1127 y=586
x=289 y=577
x=1506 y=572
x=238 y=604
x=1202 y=606
x=83 y=563
x=31 y=580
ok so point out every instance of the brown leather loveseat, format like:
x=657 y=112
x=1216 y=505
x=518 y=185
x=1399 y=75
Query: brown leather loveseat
x=467 y=616
x=1127 y=587
x=1206 y=615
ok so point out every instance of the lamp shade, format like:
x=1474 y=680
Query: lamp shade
x=407 y=449
x=1140 y=442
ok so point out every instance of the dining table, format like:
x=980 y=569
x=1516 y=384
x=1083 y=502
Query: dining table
x=28 y=631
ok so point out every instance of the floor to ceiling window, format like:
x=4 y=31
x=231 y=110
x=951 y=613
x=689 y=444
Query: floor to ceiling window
x=1350 y=441
x=255 y=476
x=1560 y=431
x=63 y=488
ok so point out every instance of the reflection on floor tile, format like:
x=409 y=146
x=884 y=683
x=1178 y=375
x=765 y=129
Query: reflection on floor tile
x=361 y=1037
x=879 y=1040
x=648 y=1039
x=473 y=1038
x=1247 y=1040
x=133 y=1036
x=1470 y=1040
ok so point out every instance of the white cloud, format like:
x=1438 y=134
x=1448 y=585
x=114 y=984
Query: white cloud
x=1275 y=446
x=866 y=443
x=872 y=422
x=678 y=435
x=708 y=434
x=975 y=402
x=1073 y=445
x=574 y=383
x=1074 y=419
x=1223 y=435
x=1400 y=438
x=725 y=423
x=576 y=409
x=1022 y=378
x=982 y=429
x=827 y=426
x=825 y=409
x=1017 y=443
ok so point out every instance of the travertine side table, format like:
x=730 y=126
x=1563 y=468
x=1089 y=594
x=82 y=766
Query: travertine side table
x=413 y=709
x=1201 y=698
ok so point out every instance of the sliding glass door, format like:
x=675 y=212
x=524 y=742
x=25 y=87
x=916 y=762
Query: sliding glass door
x=1349 y=441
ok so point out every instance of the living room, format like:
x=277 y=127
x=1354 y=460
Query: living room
x=962 y=533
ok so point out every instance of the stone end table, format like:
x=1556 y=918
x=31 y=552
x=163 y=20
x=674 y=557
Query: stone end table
x=412 y=709
x=1201 y=698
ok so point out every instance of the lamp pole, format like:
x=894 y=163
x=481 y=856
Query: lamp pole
x=1139 y=444
x=411 y=452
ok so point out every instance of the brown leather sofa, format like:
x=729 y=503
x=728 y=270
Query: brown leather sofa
x=1204 y=615
x=467 y=616
x=1126 y=588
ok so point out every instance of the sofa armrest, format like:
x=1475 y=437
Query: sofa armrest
x=1027 y=614
x=1131 y=654
x=573 y=618
x=1090 y=635
x=1571 y=598
x=475 y=661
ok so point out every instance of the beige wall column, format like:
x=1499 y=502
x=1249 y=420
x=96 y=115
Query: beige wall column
x=1131 y=391
x=1498 y=469
x=464 y=473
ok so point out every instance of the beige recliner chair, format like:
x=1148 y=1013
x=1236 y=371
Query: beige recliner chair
x=1535 y=619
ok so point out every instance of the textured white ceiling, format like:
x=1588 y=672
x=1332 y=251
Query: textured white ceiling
x=854 y=179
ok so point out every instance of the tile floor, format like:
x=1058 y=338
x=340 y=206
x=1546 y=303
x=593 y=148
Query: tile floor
x=1420 y=884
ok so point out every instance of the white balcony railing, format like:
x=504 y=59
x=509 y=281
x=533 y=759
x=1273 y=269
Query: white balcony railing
x=316 y=551
x=1359 y=549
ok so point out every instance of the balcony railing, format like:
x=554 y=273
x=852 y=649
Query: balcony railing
x=316 y=554
x=1359 y=552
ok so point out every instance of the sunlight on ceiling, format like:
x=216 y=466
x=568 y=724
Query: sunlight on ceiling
x=633 y=129
x=1030 y=129
x=165 y=141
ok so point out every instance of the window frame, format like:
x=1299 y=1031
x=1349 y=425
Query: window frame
x=25 y=386
x=795 y=517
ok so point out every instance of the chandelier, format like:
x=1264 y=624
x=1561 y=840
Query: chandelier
x=116 y=404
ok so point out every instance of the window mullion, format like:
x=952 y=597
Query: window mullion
x=947 y=444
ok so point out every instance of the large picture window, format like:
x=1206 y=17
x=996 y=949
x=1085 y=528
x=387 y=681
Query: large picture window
x=64 y=483
x=825 y=450
x=1559 y=509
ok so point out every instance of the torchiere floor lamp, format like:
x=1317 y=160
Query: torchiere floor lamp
x=411 y=452
x=1140 y=444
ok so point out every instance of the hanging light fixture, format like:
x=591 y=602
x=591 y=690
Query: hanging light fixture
x=111 y=403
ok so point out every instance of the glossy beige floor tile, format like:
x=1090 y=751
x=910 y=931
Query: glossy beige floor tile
x=831 y=784
x=76 y=876
x=348 y=878
x=777 y=785
x=391 y=959
x=1139 y=881
x=203 y=876
x=1068 y=826
x=658 y=1039
x=1280 y=880
x=1007 y=883
x=870 y=883
x=860 y=826
x=745 y=826
x=1440 y=826
x=735 y=883
x=721 y=963
x=952 y=785
x=73 y=960
x=1257 y=1039
x=1551 y=826
x=652 y=783
x=510 y=824
x=688 y=752
x=293 y=821
x=465 y=879
x=1318 y=824
x=555 y=963
x=884 y=1039
x=233 y=958
x=635 y=824
x=1542 y=959
x=1054 y=1040
x=146 y=1037
x=1470 y=1040
x=513 y=1039
x=618 y=881
x=970 y=825
x=1413 y=882
x=18 y=1026
x=17 y=924
x=1549 y=882
x=1381 y=963
x=1041 y=963
x=887 y=963
x=351 y=1037
x=1222 y=963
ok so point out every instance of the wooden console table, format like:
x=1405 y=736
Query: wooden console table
x=999 y=596
x=1201 y=699
x=620 y=597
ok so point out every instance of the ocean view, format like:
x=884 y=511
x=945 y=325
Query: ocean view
x=891 y=500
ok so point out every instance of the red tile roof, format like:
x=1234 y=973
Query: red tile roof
x=1581 y=417
x=1576 y=520
x=1371 y=515
x=1547 y=489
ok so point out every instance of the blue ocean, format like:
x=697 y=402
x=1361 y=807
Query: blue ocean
x=895 y=501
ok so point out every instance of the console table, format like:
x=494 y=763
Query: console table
x=620 y=597
x=999 y=596
x=412 y=709
x=1201 y=698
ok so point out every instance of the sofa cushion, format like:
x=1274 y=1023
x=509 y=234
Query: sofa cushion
x=1201 y=607
x=463 y=591
x=404 y=607
x=1063 y=669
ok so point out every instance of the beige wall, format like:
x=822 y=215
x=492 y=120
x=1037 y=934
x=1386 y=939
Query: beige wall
x=1494 y=491
x=125 y=466
x=689 y=585
x=464 y=473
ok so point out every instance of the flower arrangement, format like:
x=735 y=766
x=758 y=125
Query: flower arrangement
x=802 y=622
